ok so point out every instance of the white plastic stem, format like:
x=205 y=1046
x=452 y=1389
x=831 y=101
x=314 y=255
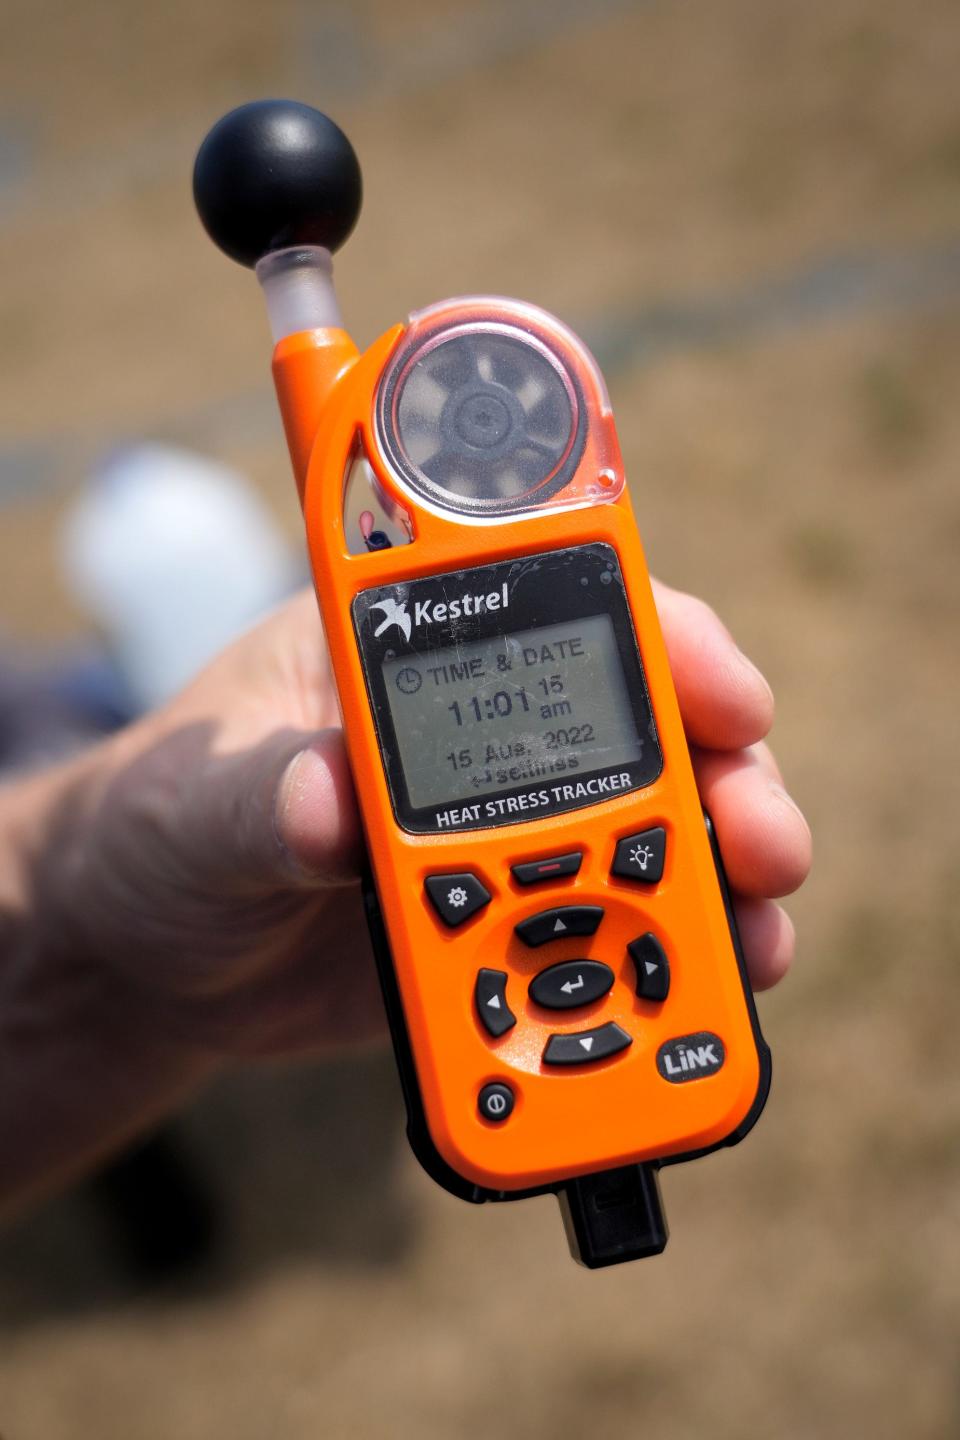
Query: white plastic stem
x=298 y=287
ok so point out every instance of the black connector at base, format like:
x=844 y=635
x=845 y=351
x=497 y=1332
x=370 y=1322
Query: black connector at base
x=613 y=1216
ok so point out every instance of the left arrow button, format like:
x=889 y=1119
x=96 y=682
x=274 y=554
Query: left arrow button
x=490 y=994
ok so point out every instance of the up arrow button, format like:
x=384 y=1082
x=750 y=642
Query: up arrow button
x=560 y=923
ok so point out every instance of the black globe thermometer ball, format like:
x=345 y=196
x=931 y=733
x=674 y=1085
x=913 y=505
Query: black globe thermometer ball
x=275 y=174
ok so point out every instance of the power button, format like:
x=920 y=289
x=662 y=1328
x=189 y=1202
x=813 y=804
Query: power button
x=495 y=1101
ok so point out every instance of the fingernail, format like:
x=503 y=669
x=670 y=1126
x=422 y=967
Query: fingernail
x=293 y=779
x=315 y=819
x=294 y=783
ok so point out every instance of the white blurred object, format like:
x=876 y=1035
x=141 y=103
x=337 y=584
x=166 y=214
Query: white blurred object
x=172 y=555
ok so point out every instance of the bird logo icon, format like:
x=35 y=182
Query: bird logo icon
x=394 y=613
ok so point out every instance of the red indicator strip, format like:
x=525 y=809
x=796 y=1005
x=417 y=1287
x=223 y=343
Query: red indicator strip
x=531 y=872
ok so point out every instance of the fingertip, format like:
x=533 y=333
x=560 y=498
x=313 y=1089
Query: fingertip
x=725 y=701
x=796 y=840
x=768 y=938
x=751 y=689
x=764 y=838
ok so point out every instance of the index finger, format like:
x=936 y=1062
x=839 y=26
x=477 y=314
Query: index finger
x=725 y=702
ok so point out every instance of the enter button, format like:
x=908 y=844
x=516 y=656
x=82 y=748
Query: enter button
x=572 y=983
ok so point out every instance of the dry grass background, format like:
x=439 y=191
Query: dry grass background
x=753 y=212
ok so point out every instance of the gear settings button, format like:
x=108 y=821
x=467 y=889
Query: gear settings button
x=456 y=897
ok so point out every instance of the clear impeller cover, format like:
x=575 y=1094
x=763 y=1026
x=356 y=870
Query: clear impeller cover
x=492 y=408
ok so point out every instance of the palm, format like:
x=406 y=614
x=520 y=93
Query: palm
x=246 y=943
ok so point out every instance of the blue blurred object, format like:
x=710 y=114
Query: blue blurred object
x=51 y=709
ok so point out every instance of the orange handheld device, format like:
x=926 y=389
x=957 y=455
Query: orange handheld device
x=555 y=940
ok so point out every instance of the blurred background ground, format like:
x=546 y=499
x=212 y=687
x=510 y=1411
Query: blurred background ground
x=752 y=212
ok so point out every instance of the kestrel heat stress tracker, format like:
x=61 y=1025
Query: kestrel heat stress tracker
x=554 y=936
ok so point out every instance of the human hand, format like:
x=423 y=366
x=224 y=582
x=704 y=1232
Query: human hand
x=727 y=709
x=213 y=873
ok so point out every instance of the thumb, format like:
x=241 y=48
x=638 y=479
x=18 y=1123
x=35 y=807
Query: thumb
x=315 y=817
x=280 y=814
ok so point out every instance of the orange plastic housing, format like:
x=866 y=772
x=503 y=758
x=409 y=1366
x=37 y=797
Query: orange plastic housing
x=568 y=1121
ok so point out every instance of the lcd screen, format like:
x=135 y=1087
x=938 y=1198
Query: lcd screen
x=508 y=710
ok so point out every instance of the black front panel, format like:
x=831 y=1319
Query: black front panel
x=508 y=691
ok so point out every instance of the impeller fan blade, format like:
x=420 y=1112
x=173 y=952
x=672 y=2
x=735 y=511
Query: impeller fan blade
x=421 y=445
x=483 y=361
x=550 y=418
x=452 y=364
x=509 y=361
x=506 y=482
x=451 y=473
x=423 y=398
x=531 y=392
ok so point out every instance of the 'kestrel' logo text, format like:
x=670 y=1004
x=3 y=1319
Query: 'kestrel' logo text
x=428 y=612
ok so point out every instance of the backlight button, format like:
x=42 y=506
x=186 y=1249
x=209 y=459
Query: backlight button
x=641 y=856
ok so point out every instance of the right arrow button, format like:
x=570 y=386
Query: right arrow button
x=653 y=967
